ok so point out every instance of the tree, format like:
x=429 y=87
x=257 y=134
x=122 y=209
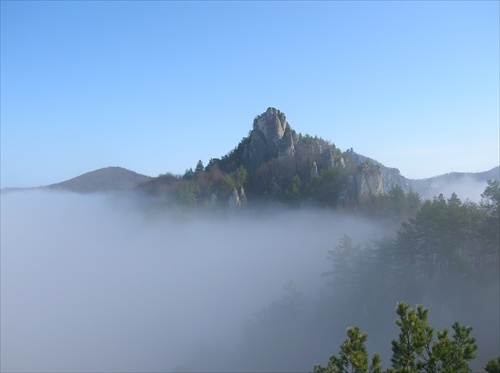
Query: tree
x=491 y=198
x=415 y=350
x=240 y=176
x=292 y=192
x=493 y=366
x=353 y=356
x=490 y=204
x=327 y=186
x=188 y=174
x=199 y=167
x=189 y=194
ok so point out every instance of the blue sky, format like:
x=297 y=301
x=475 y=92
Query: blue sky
x=155 y=86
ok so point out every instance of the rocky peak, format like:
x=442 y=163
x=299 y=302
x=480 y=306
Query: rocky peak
x=271 y=136
x=272 y=124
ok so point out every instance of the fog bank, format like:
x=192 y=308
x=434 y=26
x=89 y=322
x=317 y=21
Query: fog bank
x=93 y=283
x=91 y=286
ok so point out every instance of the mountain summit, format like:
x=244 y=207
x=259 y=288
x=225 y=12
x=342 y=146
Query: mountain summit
x=274 y=163
x=102 y=180
x=271 y=136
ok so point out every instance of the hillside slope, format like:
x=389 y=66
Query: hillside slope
x=102 y=180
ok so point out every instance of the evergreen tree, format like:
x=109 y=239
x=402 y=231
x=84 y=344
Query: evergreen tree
x=199 y=167
x=353 y=356
x=415 y=350
x=493 y=366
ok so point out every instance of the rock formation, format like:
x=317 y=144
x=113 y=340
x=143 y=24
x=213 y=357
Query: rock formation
x=270 y=137
x=273 y=138
x=237 y=200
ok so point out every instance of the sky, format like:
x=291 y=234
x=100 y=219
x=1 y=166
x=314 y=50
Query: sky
x=156 y=86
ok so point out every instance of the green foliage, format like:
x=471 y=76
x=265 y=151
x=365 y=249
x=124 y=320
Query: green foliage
x=188 y=174
x=491 y=219
x=235 y=179
x=199 y=167
x=353 y=356
x=415 y=351
x=307 y=139
x=189 y=193
x=327 y=186
x=292 y=192
x=395 y=205
x=240 y=176
x=415 y=335
x=491 y=197
x=231 y=161
x=493 y=366
x=440 y=237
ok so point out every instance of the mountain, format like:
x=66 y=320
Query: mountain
x=461 y=183
x=102 y=180
x=274 y=163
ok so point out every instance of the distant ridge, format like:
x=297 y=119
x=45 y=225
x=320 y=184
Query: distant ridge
x=492 y=174
x=458 y=182
x=106 y=179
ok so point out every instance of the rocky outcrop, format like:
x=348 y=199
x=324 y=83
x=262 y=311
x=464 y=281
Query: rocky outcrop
x=243 y=197
x=234 y=199
x=286 y=146
x=237 y=200
x=213 y=200
x=272 y=124
x=314 y=169
x=270 y=137
x=365 y=182
x=331 y=158
x=391 y=177
x=368 y=182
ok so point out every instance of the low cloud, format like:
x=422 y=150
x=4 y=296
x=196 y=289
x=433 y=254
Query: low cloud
x=90 y=283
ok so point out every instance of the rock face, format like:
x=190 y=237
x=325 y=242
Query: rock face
x=234 y=200
x=273 y=138
x=270 y=137
x=272 y=124
x=368 y=182
x=390 y=176
x=237 y=200
x=361 y=185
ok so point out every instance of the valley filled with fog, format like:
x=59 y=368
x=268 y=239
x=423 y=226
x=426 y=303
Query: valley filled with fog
x=94 y=283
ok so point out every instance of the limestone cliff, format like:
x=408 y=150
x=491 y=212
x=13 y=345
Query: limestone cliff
x=270 y=137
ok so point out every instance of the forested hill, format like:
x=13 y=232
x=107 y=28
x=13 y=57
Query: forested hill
x=276 y=164
x=103 y=180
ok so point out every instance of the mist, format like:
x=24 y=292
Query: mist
x=465 y=187
x=89 y=283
